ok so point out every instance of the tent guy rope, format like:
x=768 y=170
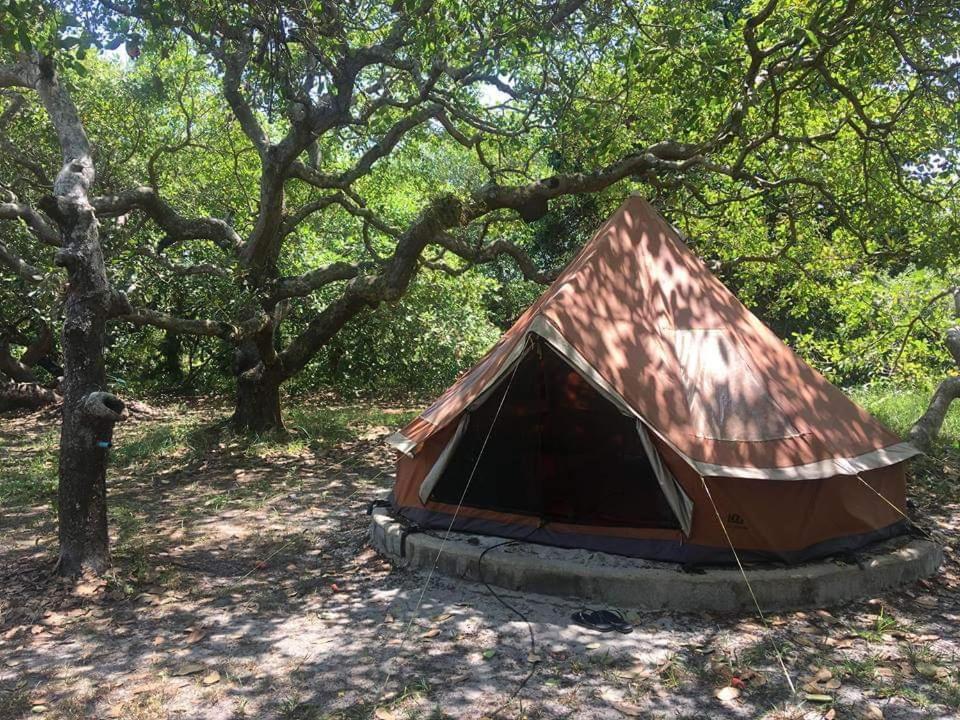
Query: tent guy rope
x=436 y=562
x=898 y=510
x=763 y=618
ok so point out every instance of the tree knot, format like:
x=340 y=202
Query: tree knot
x=104 y=406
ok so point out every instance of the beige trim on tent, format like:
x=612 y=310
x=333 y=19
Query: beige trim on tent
x=402 y=443
x=517 y=354
x=677 y=499
x=813 y=471
x=430 y=481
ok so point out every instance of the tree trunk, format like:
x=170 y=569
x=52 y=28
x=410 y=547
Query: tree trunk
x=89 y=413
x=18 y=396
x=927 y=428
x=258 y=393
x=258 y=405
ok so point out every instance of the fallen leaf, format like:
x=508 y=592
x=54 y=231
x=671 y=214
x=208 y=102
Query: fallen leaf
x=115 y=711
x=830 y=714
x=384 y=714
x=822 y=675
x=195 y=636
x=832 y=684
x=211 y=678
x=927 y=601
x=534 y=658
x=871 y=712
x=37 y=709
x=487 y=654
x=725 y=694
x=624 y=707
x=431 y=633
x=190 y=668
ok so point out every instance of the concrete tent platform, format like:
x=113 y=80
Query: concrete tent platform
x=645 y=585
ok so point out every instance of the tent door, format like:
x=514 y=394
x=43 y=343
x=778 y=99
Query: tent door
x=559 y=450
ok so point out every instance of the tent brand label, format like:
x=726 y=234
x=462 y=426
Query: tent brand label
x=736 y=519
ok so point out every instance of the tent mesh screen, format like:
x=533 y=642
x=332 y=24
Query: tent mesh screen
x=558 y=451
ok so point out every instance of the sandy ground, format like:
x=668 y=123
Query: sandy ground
x=244 y=586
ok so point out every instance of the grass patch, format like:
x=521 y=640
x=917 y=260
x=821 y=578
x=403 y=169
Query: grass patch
x=881 y=625
x=316 y=427
x=328 y=425
x=145 y=447
x=898 y=406
x=28 y=471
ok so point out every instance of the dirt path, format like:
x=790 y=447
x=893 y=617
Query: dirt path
x=244 y=587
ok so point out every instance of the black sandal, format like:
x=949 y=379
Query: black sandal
x=602 y=621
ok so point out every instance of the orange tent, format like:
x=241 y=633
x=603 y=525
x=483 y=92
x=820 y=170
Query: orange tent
x=635 y=402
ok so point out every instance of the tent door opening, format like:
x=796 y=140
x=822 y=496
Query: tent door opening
x=559 y=451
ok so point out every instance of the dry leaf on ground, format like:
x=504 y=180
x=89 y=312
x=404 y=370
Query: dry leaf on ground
x=211 y=678
x=727 y=693
x=190 y=668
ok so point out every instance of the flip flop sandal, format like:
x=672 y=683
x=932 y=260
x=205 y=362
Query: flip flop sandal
x=602 y=621
x=615 y=620
x=591 y=620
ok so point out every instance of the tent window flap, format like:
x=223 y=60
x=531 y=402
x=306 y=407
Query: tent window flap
x=726 y=398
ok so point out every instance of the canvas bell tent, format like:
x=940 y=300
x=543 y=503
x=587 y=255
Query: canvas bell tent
x=639 y=408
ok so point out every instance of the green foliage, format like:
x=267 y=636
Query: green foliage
x=859 y=332
x=417 y=345
x=839 y=264
x=898 y=405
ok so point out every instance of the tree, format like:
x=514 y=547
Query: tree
x=89 y=411
x=327 y=98
x=925 y=430
x=715 y=108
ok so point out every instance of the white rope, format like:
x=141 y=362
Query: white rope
x=753 y=595
x=898 y=510
x=443 y=542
